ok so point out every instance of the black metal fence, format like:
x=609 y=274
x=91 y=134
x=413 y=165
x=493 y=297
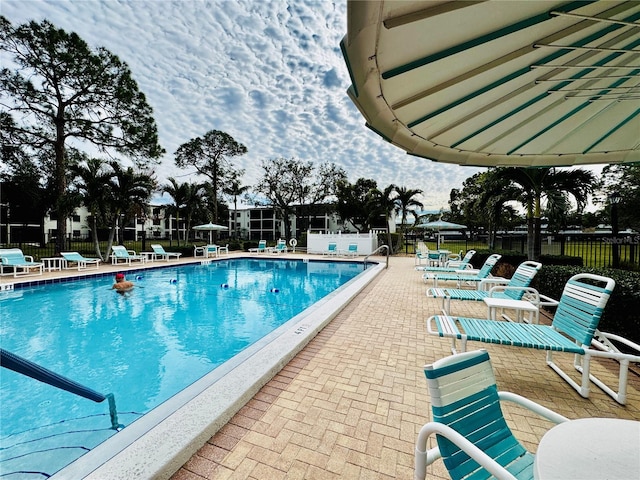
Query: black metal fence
x=596 y=250
x=86 y=247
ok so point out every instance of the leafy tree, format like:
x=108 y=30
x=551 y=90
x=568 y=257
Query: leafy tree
x=625 y=180
x=62 y=89
x=287 y=182
x=352 y=203
x=210 y=156
x=553 y=185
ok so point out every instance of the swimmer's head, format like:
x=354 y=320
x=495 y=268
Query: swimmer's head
x=119 y=276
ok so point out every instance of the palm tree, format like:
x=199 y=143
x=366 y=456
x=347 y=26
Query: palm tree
x=404 y=200
x=90 y=181
x=129 y=194
x=534 y=184
x=178 y=193
x=382 y=203
x=193 y=201
x=234 y=190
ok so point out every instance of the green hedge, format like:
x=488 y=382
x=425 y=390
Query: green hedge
x=622 y=313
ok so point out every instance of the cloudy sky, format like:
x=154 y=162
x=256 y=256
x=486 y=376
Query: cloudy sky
x=268 y=72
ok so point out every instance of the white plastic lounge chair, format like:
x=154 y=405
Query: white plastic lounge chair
x=472 y=434
x=160 y=253
x=80 y=262
x=514 y=288
x=262 y=247
x=224 y=250
x=464 y=276
x=119 y=253
x=352 y=250
x=451 y=266
x=281 y=247
x=573 y=330
x=332 y=249
x=19 y=263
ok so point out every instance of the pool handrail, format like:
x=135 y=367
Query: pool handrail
x=376 y=251
x=37 y=372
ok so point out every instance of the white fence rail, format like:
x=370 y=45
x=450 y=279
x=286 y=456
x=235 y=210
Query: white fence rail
x=319 y=242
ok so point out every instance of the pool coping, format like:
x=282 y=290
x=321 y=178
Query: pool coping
x=157 y=445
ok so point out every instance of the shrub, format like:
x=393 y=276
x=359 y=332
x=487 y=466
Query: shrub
x=621 y=313
x=507 y=263
x=561 y=260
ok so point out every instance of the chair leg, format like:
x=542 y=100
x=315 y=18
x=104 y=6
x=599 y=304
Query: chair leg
x=583 y=388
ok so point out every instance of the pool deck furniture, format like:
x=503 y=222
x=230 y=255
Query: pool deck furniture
x=261 y=248
x=159 y=253
x=514 y=288
x=19 y=263
x=52 y=264
x=332 y=250
x=206 y=251
x=281 y=247
x=120 y=254
x=223 y=250
x=351 y=251
x=589 y=448
x=75 y=260
x=451 y=266
x=574 y=330
x=473 y=437
x=464 y=277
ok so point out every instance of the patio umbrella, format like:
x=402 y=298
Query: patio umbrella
x=441 y=225
x=210 y=227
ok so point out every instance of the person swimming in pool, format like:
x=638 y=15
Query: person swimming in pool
x=122 y=285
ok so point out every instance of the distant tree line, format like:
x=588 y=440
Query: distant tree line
x=60 y=98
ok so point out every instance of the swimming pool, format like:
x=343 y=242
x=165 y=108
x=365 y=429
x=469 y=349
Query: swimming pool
x=158 y=321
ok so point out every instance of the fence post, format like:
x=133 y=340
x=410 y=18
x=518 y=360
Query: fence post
x=562 y=242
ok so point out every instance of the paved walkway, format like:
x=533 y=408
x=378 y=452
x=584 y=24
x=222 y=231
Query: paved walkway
x=350 y=405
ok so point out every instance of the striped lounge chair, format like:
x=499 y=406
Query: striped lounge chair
x=514 y=289
x=573 y=330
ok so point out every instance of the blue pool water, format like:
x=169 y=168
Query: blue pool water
x=177 y=325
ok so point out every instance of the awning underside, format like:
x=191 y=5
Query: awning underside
x=499 y=83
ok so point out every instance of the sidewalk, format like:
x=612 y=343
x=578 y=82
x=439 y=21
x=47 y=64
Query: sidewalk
x=350 y=405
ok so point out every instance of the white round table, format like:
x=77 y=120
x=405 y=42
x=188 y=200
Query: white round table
x=590 y=448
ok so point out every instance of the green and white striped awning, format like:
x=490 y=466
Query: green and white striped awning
x=499 y=83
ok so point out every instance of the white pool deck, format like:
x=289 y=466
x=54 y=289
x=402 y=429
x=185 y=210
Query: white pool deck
x=345 y=401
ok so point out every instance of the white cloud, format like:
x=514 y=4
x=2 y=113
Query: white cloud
x=270 y=73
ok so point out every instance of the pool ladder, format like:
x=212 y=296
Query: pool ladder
x=30 y=369
x=376 y=251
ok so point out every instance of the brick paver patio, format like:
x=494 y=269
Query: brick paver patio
x=350 y=405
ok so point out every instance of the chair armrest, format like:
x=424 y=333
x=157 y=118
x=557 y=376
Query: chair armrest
x=469 y=271
x=485 y=283
x=530 y=293
x=28 y=258
x=603 y=341
x=533 y=406
x=424 y=457
x=457 y=264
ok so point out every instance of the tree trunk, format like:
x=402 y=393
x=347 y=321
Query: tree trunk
x=94 y=233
